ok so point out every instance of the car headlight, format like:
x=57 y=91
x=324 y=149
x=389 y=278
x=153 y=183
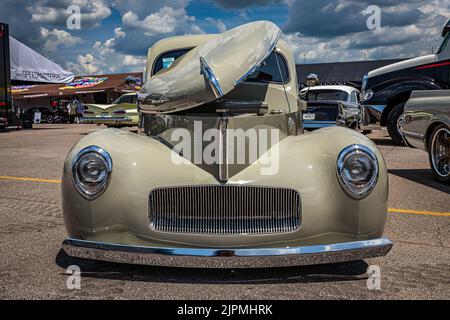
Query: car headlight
x=357 y=170
x=91 y=171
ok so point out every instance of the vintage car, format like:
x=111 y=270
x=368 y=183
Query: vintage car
x=425 y=125
x=330 y=106
x=220 y=173
x=121 y=113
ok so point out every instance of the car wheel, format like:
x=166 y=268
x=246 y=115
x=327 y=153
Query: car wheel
x=439 y=153
x=49 y=119
x=394 y=124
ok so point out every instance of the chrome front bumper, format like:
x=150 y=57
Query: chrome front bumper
x=228 y=258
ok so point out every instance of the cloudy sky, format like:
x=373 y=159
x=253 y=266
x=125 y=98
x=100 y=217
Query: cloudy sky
x=115 y=34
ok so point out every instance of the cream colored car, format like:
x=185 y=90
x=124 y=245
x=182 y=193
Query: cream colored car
x=121 y=113
x=220 y=173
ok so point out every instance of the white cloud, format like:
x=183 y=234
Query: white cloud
x=58 y=38
x=221 y=27
x=166 y=20
x=130 y=60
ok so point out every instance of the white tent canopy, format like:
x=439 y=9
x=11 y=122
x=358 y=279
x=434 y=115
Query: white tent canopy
x=29 y=65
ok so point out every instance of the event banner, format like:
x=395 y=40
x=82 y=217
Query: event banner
x=29 y=65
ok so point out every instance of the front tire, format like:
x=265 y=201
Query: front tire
x=393 y=124
x=50 y=119
x=439 y=153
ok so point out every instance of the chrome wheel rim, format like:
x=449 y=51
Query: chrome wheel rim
x=400 y=121
x=440 y=152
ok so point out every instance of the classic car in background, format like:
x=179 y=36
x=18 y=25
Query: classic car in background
x=330 y=106
x=155 y=197
x=426 y=126
x=386 y=90
x=121 y=113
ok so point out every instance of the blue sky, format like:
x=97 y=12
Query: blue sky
x=115 y=34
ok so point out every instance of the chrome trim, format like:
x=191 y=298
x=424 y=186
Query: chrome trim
x=104 y=184
x=227 y=258
x=211 y=77
x=117 y=119
x=347 y=186
x=440 y=152
x=224 y=210
x=412 y=134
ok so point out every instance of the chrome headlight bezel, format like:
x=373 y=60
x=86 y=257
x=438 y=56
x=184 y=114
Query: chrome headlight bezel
x=92 y=192
x=357 y=191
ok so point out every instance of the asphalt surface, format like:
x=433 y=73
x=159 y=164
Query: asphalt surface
x=33 y=267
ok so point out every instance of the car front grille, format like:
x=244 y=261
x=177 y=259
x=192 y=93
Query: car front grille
x=225 y=210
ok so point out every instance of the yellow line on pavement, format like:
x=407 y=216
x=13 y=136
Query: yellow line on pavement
x=422 y=212
x=391 y=210
x=29 y=179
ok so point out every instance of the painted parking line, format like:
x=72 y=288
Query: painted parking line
x=390 y=210
x=29 y=179
x=421 y=212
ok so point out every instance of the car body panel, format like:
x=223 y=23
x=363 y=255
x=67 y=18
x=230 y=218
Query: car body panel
x=307 y=164
x=422 y=111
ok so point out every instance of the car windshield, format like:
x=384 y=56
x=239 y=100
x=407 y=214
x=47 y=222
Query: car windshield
x=444 y=43
x=333 y=95
x=273 y=69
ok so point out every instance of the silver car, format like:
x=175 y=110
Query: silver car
x=426 y=125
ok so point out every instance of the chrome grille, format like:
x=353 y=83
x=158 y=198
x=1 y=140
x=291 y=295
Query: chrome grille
x=225 y=210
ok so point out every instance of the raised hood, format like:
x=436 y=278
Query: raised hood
x=211 y=70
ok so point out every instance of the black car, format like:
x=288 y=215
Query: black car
x=47 y=114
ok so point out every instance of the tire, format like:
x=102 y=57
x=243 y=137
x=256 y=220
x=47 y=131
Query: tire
x=393 y=124
x=441 y=171
x=50 y=118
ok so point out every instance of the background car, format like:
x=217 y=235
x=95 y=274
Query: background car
x=121 y=113
x=330 y=106
x=425 y=124
x=47 y=114
x=386 y=90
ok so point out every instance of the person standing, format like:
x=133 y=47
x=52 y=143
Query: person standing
x=78 y=109
x=71 y=110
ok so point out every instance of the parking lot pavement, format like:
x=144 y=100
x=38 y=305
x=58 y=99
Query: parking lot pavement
x=31 y=230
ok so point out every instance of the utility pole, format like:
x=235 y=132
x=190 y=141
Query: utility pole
x=305 y=55
x=87 y=66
